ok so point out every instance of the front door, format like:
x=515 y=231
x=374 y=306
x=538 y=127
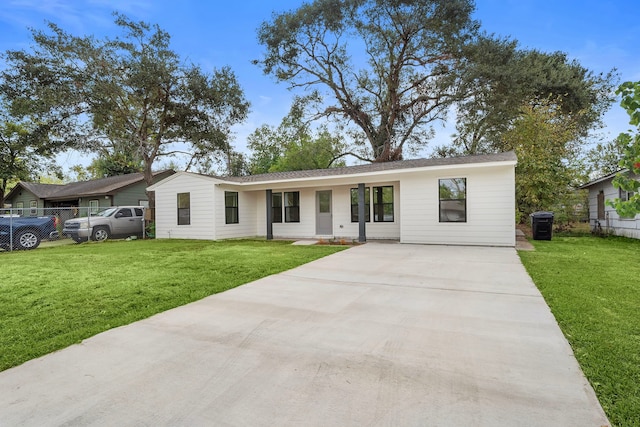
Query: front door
x=324 y=220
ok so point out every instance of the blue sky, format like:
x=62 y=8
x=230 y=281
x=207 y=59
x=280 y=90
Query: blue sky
x=600 y=34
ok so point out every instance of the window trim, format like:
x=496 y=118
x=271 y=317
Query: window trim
x=231 y=212
x=367 y=204
x=20 y=208
x=185 y=218
x=378 y=203
x=33 y=207
x=293 y=210
x=443 y=218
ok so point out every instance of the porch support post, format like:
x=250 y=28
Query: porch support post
x=362 y=232
x=269 y=216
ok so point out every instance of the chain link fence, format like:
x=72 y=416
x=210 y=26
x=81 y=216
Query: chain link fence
x=30 y=228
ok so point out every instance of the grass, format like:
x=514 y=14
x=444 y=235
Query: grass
x=53 y=297
x=592 y=286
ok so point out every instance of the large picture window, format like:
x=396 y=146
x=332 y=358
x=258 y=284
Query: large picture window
x=276 y=207
x=292 y=206
x=383 y=204
x=231 y=207
x=354 y=205
x=453 y=199
x=184 y=208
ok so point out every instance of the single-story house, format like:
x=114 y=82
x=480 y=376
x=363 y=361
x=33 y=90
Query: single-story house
x=463 y=201
x=31 y=197
x=604 y=218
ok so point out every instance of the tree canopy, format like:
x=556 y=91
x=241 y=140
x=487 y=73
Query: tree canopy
x=130 y=91
x=546 y=173
x=387 y=67
x=294 y=145
x=499 y=80
x=26 y=150
x=628 y=180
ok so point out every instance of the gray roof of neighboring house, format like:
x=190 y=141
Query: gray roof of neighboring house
x=373 y=167
x=602 y=179
x=101 y=186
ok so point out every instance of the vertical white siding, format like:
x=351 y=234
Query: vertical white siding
x=202 y=198
x=490 y=208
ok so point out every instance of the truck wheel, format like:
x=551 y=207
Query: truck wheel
x=100 y=234
x=25 y=240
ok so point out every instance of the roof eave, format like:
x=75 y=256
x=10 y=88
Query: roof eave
x=382 y=173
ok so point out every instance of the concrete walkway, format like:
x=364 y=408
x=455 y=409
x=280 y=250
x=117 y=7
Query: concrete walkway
x=378 y=335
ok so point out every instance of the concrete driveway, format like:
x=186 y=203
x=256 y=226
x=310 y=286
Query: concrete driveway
x=378 y=335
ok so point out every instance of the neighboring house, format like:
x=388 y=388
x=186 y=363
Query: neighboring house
x=122 y=190
x=462 y=201
x=604 y=218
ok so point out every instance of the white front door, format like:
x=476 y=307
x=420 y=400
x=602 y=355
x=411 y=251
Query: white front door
x=324 y=218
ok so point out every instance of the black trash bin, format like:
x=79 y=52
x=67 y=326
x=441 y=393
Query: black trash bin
x=542 y=225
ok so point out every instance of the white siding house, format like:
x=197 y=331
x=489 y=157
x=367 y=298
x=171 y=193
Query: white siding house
x=460 y=201
x=604 y=218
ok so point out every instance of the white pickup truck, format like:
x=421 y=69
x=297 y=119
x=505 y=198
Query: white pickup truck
x=118 y=221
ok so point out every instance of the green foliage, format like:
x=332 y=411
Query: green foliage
x=26 y=150
x=150 y=230
x=293 y=145
x=411 y=53
x=499 y=78
x=129 y=94
x=591 y=285
x=118 y=163
x=630 y=162
x=604 y=158
x=542 y=138
x=119 y=282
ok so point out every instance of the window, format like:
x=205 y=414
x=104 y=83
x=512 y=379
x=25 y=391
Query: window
x=231 y=207
x=276 y=207
x=184 y=208
x=292 y=206
x=383 y=204
x=453 y=199
x=20 y=208
x=33 y=207
x=138 y=211
x=624 y=197
x=93 y=206
x=354 y=204
x=124 y=213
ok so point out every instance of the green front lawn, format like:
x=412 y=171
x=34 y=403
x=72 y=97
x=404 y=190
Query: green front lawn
x=53 y=297
x=593 y=288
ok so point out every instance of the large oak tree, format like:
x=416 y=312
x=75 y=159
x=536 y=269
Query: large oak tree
x=388 y=67
x=131 y=90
